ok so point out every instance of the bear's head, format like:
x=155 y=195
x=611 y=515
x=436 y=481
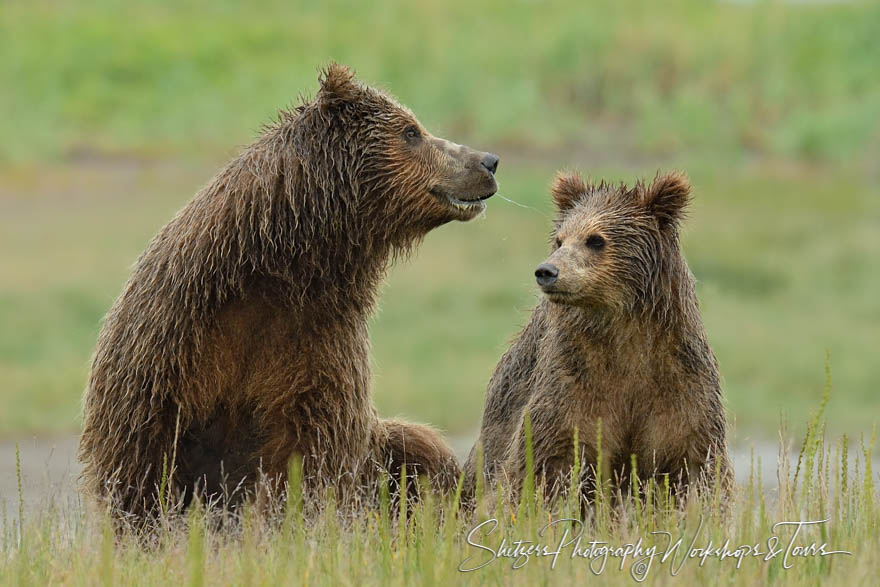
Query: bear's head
x=362 y=147
x=613 y=246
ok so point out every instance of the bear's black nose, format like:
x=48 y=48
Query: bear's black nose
x=490 y=162
x=546 y=274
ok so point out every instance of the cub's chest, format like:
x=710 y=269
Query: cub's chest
x=601 y=390
x=633 y=405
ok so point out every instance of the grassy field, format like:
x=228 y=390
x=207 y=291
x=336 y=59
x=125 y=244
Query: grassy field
x=820 y=527
x=694 y=76
x=116 y=114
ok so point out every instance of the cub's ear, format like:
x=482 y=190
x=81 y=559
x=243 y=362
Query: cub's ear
x=567 y=188
x=337 y=85
x=667 y=197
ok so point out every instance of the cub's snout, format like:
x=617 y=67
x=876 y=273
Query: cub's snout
x=546 y=274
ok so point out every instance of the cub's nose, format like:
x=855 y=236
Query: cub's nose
x=546 y=274
x=490 y=162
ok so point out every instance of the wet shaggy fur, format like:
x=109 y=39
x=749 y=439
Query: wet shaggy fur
x=618 y=338
x=240 y=339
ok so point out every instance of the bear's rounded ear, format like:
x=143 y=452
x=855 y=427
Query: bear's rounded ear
x=567 y=188
x=337 y=85
x=667 y=197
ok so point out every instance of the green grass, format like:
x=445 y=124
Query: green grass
x=430 y=541
x=686 y=75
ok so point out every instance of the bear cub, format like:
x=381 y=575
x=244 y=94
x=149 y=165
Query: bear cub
x=617 y=341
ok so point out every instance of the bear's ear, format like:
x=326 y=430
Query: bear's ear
x=567 y=188
x=337 y=85
x=667 y=197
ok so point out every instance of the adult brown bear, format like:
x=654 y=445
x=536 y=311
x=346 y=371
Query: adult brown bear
x=618 y=338
x=241 y=337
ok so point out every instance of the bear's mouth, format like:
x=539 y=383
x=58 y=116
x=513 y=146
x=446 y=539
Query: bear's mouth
x=557 y=296
x=473 y=203
x=466 y=204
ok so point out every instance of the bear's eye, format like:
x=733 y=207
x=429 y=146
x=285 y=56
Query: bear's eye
x=596 y=242
x=558 y=243
x=412 y=133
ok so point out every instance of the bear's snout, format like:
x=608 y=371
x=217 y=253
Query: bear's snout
x=490 y=162
x=546 y=274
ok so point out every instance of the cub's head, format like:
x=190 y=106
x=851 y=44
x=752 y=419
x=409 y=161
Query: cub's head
x=358 y=139
x=612 y=245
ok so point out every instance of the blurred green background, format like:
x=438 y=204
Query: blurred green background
x=116 y=113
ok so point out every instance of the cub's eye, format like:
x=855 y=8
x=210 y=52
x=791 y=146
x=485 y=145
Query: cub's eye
x=558 y=243
x=411 y=133
x=595 y=242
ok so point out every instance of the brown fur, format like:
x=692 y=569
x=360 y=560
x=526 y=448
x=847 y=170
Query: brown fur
x=417 y=448
x=242 y=331
x=618 y=338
